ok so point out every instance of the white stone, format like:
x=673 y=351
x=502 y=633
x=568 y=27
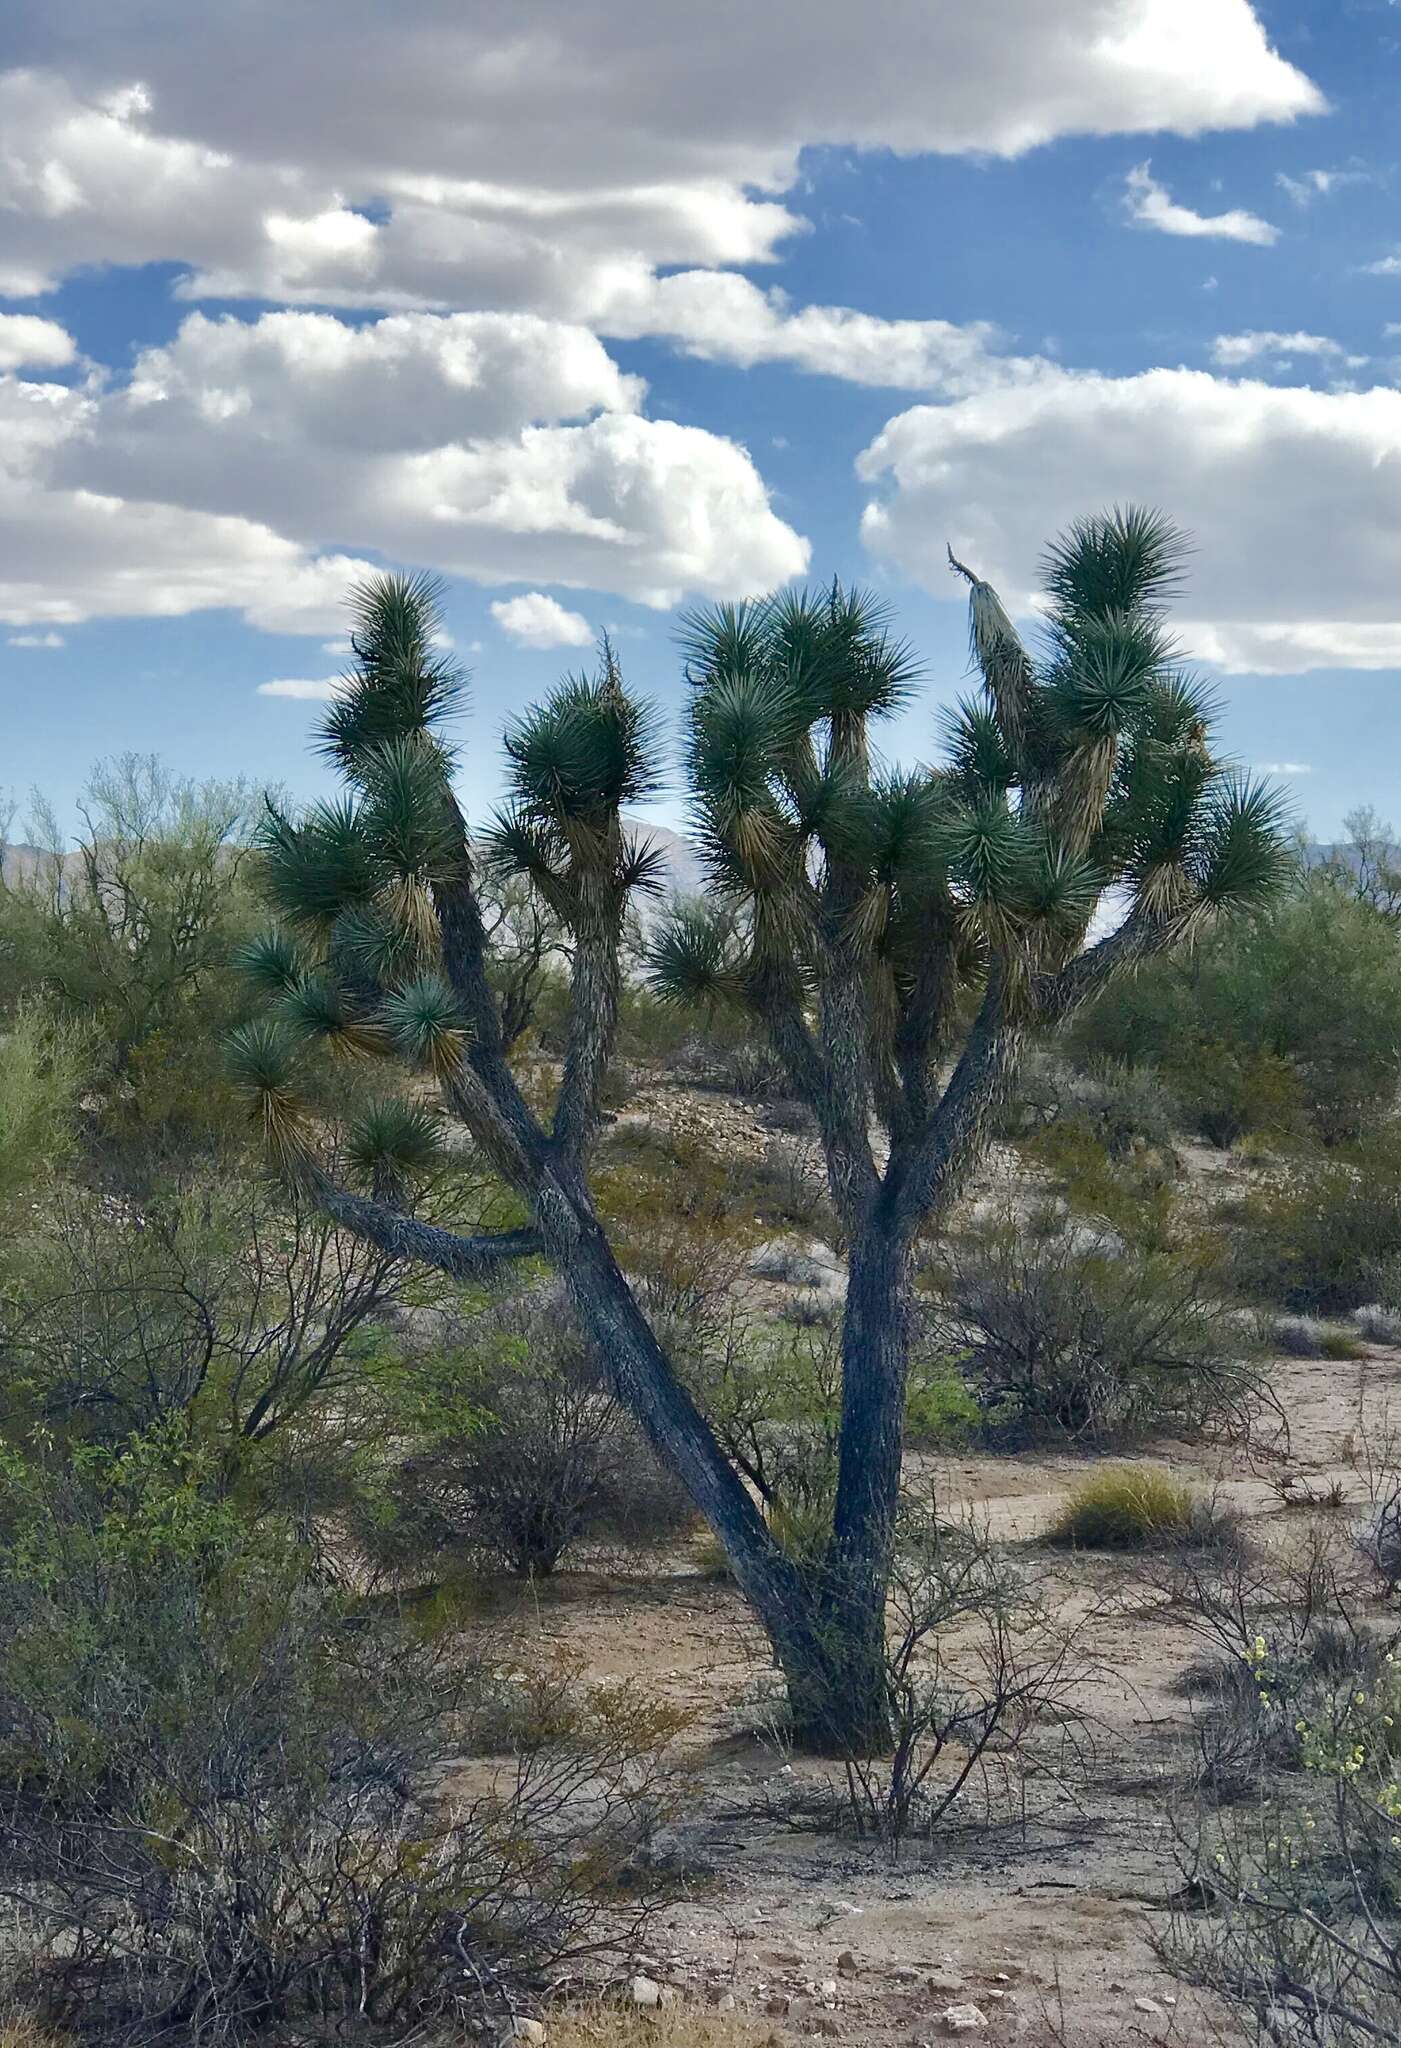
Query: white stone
x=644 y=1991
x=964 y=2019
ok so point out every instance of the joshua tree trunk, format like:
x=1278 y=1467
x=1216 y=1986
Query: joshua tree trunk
x=846 y=1707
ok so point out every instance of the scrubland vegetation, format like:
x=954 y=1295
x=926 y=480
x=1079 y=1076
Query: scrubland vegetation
x=529 y=1404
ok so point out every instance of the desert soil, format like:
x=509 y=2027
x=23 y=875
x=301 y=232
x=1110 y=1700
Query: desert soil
x=1045 y=1921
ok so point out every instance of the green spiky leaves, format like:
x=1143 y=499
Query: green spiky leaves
x=1244 y=859
x=589 y=749
x=402 y=686
x=1123 y=562
x=425 y=1023
x=261 y=1059
x=692 y=958
x=393 y=1141
x=315 y=869
x=272 y=961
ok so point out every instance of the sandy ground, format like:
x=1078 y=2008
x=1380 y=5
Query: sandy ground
x=1044 y=1921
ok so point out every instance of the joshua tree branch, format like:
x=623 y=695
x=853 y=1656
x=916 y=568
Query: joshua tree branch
x=1137 y=938
x=404 y=1237
x=595 y=984
x=775 y=998
x=926 y=1174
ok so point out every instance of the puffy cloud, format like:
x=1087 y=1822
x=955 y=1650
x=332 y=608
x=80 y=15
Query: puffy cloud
x=36 y=640
x=727 y=318
x=439 y=440
x=1284 y=768
x=536 y=620
x=1291 y=495
x=546 y=154
x=28 y=342
x=69 y=552
x=277 y=431
x=1150 y=205
x=412 y=380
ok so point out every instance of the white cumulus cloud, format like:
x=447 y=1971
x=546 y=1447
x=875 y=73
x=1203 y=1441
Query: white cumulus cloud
x=502 y=448
x=547 y=150
x=36 y=640
x=70 y=551
x=536 y=620
x=27 y=342
x=1291 y=495
x=1149 y=204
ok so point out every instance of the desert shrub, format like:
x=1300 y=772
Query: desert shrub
x=218 y=1297
x=1378 y=1324
x=798 y=1265
x=41 y=1071
x=1063 y=1332
x=131 y=934
x=1126 y=1109
x=1317 y=1236
x=525 y=1455
x=1124 y=1507
x=223 y=1806
x=1226 y=1092
x=1132 y=1192
x=1288 y=1024
x=1298 y=1336
x=1306 y=1879
x=1307 y=1337
x=978 y=1662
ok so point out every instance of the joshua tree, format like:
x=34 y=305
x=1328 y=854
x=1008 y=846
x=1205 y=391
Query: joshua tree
x=897 y=935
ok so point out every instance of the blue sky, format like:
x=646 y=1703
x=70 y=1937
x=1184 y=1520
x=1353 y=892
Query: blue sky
x=598 y=308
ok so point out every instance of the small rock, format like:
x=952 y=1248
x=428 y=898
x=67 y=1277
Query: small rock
x=778 y=2008
x=1151 y=2007
x=644 y=1991
x=521 y=2032
x=964 y=2019
x=721 y=1998
x=847 y=1965
x=947 y=1981
x=823 y=2023
x=906 y=1973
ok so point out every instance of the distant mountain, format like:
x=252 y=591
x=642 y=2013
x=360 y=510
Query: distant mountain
x=686 y=877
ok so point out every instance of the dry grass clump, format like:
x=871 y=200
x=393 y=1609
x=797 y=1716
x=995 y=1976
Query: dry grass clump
x=17 y=2030
x=1125 y=1507
x=1306 y=1337
x=603 y=2025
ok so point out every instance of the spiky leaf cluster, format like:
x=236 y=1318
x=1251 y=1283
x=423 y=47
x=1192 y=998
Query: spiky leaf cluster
x=1078 y=770
x=576 y=761
x=368 y=887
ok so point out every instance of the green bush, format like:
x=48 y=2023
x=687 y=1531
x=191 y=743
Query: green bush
x=1068 y=1329
x=524 y=1456
x=219 y=1813
x=1124 y=1507
x=1291 y=1023
x=1319 y=1235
